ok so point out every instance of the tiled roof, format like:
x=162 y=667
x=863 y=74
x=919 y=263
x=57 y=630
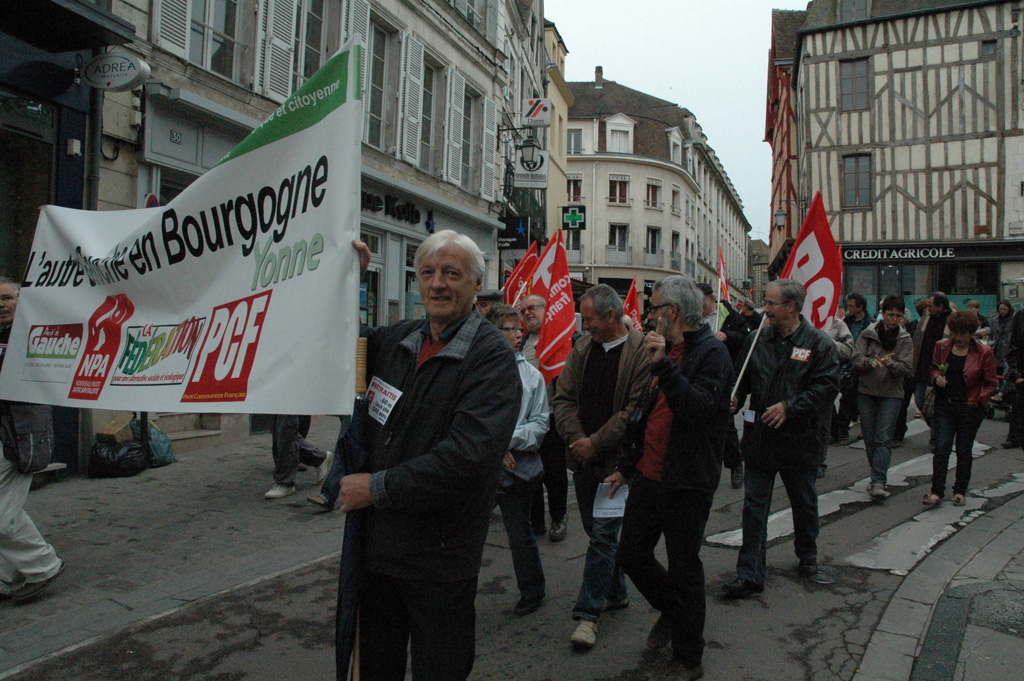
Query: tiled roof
x=785 y=24
x=822 y=13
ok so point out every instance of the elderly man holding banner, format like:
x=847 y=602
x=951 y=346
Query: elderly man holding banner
x=442 y=412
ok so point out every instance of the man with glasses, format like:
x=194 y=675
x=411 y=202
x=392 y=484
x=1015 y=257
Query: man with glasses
x=552 y=450
x=792 y=380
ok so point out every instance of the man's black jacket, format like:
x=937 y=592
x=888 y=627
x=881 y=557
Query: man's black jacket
x=435 y=462
x=697 y=392
x=801 y=371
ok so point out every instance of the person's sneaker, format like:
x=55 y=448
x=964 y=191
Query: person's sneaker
x=677 y=671
x=32 y=589
x=278 y=491
x=807 y=568
x=527 y=605
x=737 y=477
x=877 y=492
x=324 y=468
x=615 y=605
x=896 y=444
x=661 y=633
x=585 y=635
x=320 y=503
x=558 y=531
x=741 y=588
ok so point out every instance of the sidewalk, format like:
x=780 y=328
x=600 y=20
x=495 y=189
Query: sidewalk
x=960 y=613
x=142 y=546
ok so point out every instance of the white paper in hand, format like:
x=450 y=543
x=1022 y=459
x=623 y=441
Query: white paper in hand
x=610 y=508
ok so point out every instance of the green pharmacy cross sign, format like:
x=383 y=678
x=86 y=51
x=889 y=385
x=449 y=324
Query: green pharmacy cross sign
x=574 y=217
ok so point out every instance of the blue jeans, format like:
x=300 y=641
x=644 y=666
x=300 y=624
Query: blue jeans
x=515 y=511
x=602 y=579
x=757 y=500
x=878 y=423
x=959 y=422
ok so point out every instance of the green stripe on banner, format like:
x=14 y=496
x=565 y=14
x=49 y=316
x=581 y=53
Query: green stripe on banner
x=319 y=96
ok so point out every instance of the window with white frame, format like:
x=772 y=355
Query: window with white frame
x=429 y=117
x=212 y=43
x=618 y=189
x=618 y=142
x=675 y=242
x=574 y=143
x=653 y=240
x=653 y=198
x=618 y=236
x=572 y=239
x=309 y=40
x=677 y=198
x=376 y=86
x=574 y=186
x=469 y=159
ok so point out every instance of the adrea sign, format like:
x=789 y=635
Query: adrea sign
x=195 y=306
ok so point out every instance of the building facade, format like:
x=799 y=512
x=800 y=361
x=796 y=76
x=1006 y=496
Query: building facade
x=909 y=124
x=653 y=196
x=561 y=101
x=759 y=256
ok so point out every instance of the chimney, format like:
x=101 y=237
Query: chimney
x=598 y=78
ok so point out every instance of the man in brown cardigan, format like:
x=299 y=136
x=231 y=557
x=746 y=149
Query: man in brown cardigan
x=602 y=382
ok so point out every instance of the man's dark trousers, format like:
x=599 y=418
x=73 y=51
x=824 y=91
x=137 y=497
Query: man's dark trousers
x=678 y=592
x=556 y=479
x=290 y=447
x=438 y=620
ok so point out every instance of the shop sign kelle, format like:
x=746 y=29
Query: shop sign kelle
x=115 y=72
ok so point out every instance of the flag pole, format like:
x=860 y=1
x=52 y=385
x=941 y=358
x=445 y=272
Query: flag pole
x=746 y=361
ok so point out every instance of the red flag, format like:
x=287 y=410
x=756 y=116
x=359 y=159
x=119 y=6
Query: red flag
x=815 y=263
x=518 y=282
x=632 y=307
x=723 y=283
x=551 y=280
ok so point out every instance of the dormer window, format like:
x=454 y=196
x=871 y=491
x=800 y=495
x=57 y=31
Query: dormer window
x=619 y=134
x=853 y=10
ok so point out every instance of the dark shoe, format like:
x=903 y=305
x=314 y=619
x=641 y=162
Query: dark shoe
x=677 y=671
x=737 y=477
x=741 y=588
x=539 y=532
x=527 y=605
x=661 y=633
x=807 y=568
x=32 y=589
x=558 y=531
x=1010 y=444
x=896 y=444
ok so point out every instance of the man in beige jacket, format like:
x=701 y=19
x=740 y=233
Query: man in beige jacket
x=602 y=382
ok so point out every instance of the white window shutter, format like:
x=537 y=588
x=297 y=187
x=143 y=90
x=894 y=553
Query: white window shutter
x=172 y=27
x=490 y=145
x=412 y=100
x=453 y=127
x=357 y=27
x=491 y=17
x=274 y=62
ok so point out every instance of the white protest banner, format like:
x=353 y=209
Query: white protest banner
x=239 y=296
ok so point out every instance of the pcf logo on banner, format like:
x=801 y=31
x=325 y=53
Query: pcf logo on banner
x=221 y=372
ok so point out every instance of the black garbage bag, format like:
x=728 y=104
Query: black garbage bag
x=117 y=461
x=160 y=453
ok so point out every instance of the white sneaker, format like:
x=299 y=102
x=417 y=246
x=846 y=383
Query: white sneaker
x=278 y=491
x=585 y=635
x=878 y=492
x=323 y=469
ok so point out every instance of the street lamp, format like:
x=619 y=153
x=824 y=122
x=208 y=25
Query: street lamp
x=529 y=149
x=780 y=217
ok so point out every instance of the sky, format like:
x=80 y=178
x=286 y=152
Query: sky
x=709 y=56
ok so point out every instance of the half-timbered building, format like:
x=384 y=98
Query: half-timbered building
x=908 y=123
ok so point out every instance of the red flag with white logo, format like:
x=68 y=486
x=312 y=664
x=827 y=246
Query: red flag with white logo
x=551 y=281
x=632 y=307
x=723 y=283
x=518 y=283
x=815 y=263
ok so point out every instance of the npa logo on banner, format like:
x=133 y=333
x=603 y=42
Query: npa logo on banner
x=240 y=295
x=551 y=280
x=814 y=262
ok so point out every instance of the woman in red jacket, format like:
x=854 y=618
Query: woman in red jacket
x=964 y=375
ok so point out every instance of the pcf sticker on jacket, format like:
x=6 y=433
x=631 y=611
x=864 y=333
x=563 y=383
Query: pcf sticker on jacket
x=382 y=398
x=801 y=354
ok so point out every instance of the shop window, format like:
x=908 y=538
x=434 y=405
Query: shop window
x=413 y=303
x=963 y=281
x=369 y=290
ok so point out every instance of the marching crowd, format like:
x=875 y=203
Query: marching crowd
x=459 y=420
